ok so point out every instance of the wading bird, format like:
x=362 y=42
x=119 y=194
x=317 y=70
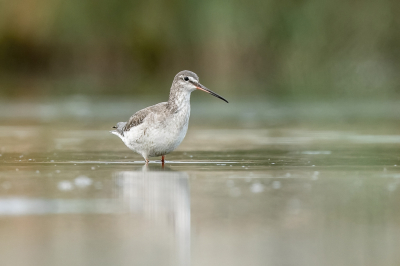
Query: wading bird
x=157 y=130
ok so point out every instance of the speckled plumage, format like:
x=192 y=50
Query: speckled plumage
x=157 y=130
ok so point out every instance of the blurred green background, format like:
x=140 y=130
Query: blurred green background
x=310 y=49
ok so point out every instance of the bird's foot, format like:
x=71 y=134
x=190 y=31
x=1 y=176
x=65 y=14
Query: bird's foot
x=162 y=160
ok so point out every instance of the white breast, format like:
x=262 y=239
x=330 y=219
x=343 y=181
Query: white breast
x=160 y=134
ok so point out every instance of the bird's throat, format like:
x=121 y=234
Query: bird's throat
x=179 y=100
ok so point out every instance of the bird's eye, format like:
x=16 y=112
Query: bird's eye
x=186 y=78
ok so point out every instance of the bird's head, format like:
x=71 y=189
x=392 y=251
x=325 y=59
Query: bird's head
x=189 y=81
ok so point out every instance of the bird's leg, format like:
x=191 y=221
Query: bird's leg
x=163 y=159
x=147 y=160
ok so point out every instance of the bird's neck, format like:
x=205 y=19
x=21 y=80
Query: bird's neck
x=178 y=100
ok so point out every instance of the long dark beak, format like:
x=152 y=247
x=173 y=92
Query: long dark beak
x=202 y=88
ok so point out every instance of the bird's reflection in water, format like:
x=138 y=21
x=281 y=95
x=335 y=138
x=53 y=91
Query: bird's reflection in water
x=160 y=194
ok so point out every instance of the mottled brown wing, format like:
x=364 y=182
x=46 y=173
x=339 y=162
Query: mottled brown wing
x=138 y=117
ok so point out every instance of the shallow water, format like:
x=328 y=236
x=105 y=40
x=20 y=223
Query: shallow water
x=73 y=194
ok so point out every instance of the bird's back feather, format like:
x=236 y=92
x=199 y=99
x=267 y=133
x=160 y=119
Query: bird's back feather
x=138 y=117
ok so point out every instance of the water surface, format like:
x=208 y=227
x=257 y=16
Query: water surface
x=73 y=194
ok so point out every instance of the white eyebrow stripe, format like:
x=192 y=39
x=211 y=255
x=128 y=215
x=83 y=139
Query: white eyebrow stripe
x=193 y=80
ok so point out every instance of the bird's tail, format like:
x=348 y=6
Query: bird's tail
x=119 y=129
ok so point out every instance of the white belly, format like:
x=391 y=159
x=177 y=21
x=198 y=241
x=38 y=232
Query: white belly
x=158 y=136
